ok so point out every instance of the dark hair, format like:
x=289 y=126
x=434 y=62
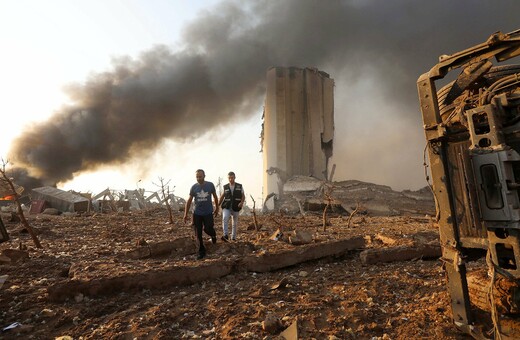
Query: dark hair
x=231 y=173
x=200 y=170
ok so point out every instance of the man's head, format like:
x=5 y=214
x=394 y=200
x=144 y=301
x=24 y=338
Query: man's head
x=231 y=177
x=199 y=174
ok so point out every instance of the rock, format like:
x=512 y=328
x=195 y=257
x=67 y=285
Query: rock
x=78 y=297
x=291 y=332
x=4 y=259
x=15 y=255
x=3 y=278
x=299 y=237
x=47 y=312
x=277 y=235
x=51 y=211
x=271 y=324
x=14 y=217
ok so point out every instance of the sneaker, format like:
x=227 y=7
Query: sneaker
x=201 y=256
x=234 y=238
x=225 y=238
x=213 y=239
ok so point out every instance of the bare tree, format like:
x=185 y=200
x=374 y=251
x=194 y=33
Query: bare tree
x=327 y=194
x=255 y=221
x=219 y=186
x=165 y=189
x=352 y=215
x=8 y=183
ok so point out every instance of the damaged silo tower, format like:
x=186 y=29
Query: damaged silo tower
x=298 y=125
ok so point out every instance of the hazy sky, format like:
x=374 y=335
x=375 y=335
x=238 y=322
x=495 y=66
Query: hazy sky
x=119 y=93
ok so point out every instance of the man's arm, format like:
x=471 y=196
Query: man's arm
x=187 y=208
x=220 y=199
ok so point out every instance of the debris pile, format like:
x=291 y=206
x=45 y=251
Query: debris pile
x=129 y=274
x=302 y=194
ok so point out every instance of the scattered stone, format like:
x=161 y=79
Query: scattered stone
x=47 y=313
x=51 y=211
x=299 y=237
x=277 y=235
x=141 y=242
x=15 y=255
x=3 y=278
x=14 y=217
x=4 y=259
x=291 y=332
x=282 y=284
x=271 y=324
x=385 y=239
x=181 y=246
x=78 y=297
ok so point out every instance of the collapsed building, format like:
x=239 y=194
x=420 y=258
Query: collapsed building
x=298 y=127
x=105 y=201
x=297 y=144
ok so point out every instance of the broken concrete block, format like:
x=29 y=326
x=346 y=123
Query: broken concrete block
x=267 y=261
x=182 y=246
x=291 y=332
x=3 y=278
x=51 y=211
x=282 y=284
x=400 y=253
x=61 y=200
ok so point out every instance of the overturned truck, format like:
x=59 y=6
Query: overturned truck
x=472 y=128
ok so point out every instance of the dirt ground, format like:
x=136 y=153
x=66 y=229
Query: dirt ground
x=336 y=297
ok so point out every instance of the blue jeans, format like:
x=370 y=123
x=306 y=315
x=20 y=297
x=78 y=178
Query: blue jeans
x=226 y=215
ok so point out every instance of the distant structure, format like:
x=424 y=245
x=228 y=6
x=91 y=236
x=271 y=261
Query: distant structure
x=298 y=127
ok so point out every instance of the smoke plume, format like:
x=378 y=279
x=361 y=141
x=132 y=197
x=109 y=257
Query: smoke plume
x=373 y=49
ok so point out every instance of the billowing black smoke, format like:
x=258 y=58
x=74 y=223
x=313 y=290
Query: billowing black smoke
x=220 y=70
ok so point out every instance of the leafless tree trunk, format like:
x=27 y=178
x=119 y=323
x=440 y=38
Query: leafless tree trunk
x=219 y=186
x=165 y=189
x=352 y=215
x=255 y=221
x=9 y=184
x=327 y=195
x=325 y=222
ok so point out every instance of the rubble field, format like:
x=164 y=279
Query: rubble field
x=133 y=275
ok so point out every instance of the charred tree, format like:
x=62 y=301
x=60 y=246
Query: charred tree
x=9 y=184
x=327 y=194
x=255 y=221
x=165 y=190
x=352 y=215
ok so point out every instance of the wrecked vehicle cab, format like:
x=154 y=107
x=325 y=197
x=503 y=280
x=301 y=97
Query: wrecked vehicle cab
x=472 y=129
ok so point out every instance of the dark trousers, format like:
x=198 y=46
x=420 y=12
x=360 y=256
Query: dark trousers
x=205 y=223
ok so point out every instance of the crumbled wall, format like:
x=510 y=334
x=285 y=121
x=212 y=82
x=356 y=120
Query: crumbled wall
x=298 y=126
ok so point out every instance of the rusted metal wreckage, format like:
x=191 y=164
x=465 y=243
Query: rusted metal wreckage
x=472 y=128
